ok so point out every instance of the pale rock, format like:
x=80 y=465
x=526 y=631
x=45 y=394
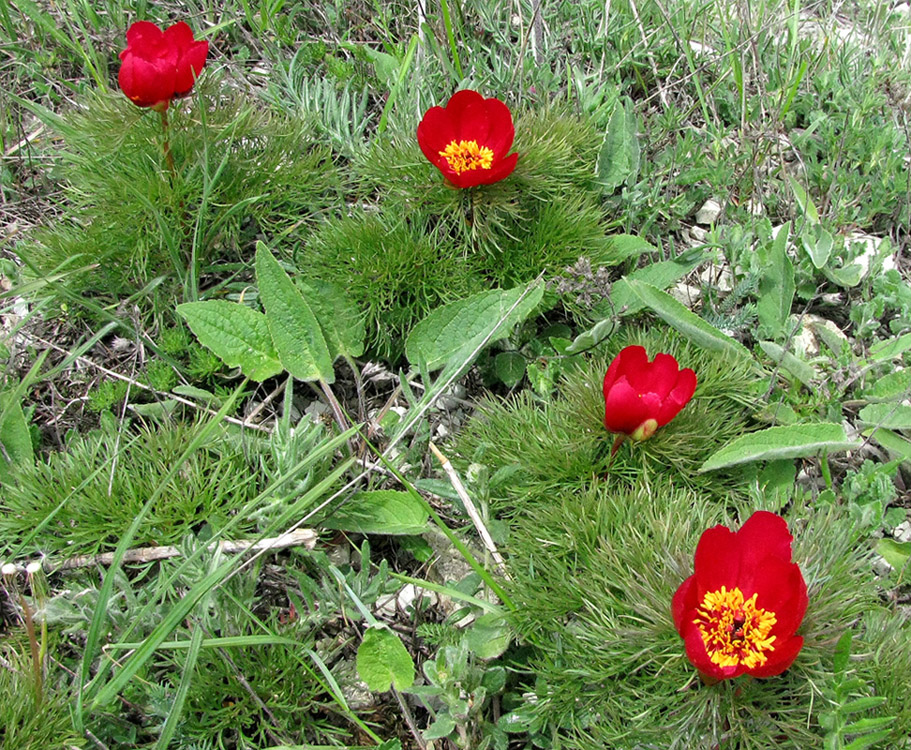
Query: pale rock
x=687 y=294
x=881 y=567
x=699 y=234
x=871 y=248
x=902 y=532
x=902 y=9
x=316 y=410
x=452 y=397
x=719 y=277
x=836 y=299
x=709 y=212
x=755 y=208
x=701 y=49
x=806 y=343
x=389 y=604
x=442 y=431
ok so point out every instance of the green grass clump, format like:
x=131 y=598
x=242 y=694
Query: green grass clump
x=239 y=171
x=429 y=243
x=83 y=499
x=593 y=577
x=562 y=445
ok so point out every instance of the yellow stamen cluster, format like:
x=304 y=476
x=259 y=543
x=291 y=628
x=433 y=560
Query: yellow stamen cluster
x=467 y=155
x=735 y=631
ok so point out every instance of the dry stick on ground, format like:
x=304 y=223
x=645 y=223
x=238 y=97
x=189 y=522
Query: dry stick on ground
x=296 y=538
x=472 y=510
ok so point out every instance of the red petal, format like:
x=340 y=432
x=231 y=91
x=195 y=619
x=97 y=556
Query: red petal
x=472 y=123
x=179 y=36
x=679 y=397
x=460 y=101
x=146 y=83
x=717 y=560
x=764 y=534
x=683 y=603
x=502 y=132
x=613 y=372
x=624 y=410
x=657 y=377
x=143 y=34
x=497 y=172
x=780 y=659
x=780 y=588
x=435 y=132
x=699 y=657
x=189 y=66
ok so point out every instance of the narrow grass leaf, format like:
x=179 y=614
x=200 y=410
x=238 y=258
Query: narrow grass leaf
x=237 y=334
x=791 y=441
x=296 y=333
x=189 y=670
x=686 y=322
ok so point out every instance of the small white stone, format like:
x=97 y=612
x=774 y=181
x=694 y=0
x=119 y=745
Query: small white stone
x=756 y=208
x=709 y=212
x=687 y=294
x=719 y=277
x=902 y=9
x=902 y=532
x=881 y=567
x=316 y=410
x=701 y=49
x=699 y=234
x=870 y=251
x=442 y=431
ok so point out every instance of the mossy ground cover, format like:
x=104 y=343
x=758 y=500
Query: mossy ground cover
x=240 y=341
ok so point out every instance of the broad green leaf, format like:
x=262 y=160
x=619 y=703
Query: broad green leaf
x=892 y=442
x=807 y=208
x=591 y=338
x=891 y=416
x=510 y=368
x=342 y=323
x=237 y=334
x=618 y=161
x=893 y=386
x=442 y=727
x=461 y=326
x=818 y=243
x=15 y=438
x=625 y=246
x=295 y=330
x=380 y=512
x=776 y=285
x=660 y=275
x=382 y=661
x=804 y=372
x=849 y=275
x=774 y=443
x=686 y=322
x=489 y=636
x=896 y=553
x=890 y=348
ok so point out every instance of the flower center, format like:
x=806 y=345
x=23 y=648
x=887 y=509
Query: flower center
x=467 y=155
x=735 y=631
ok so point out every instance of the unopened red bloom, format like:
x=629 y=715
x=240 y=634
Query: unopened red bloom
x=641 y=396
x=468 y=139
x=159 y=65
x=739 y=612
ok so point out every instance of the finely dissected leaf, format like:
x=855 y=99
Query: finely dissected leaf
x=686 y=322
x=804 y=372
x=382 y=661
x=791 y=441
x=461 y=326
x=238 y=335
x=660 y=275
x=380 y=512
x=776 y=286
x=891 y=416
x=14 y=437
x=618 y=161
x=342 y=323
x=296 y=333
x=896 y=553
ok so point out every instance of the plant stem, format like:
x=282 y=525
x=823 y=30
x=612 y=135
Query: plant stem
x=166 y=147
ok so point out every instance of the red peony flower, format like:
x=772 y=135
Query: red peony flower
x=467 y=140
x=738 y=613
x=641 y=396
x=159 y=65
